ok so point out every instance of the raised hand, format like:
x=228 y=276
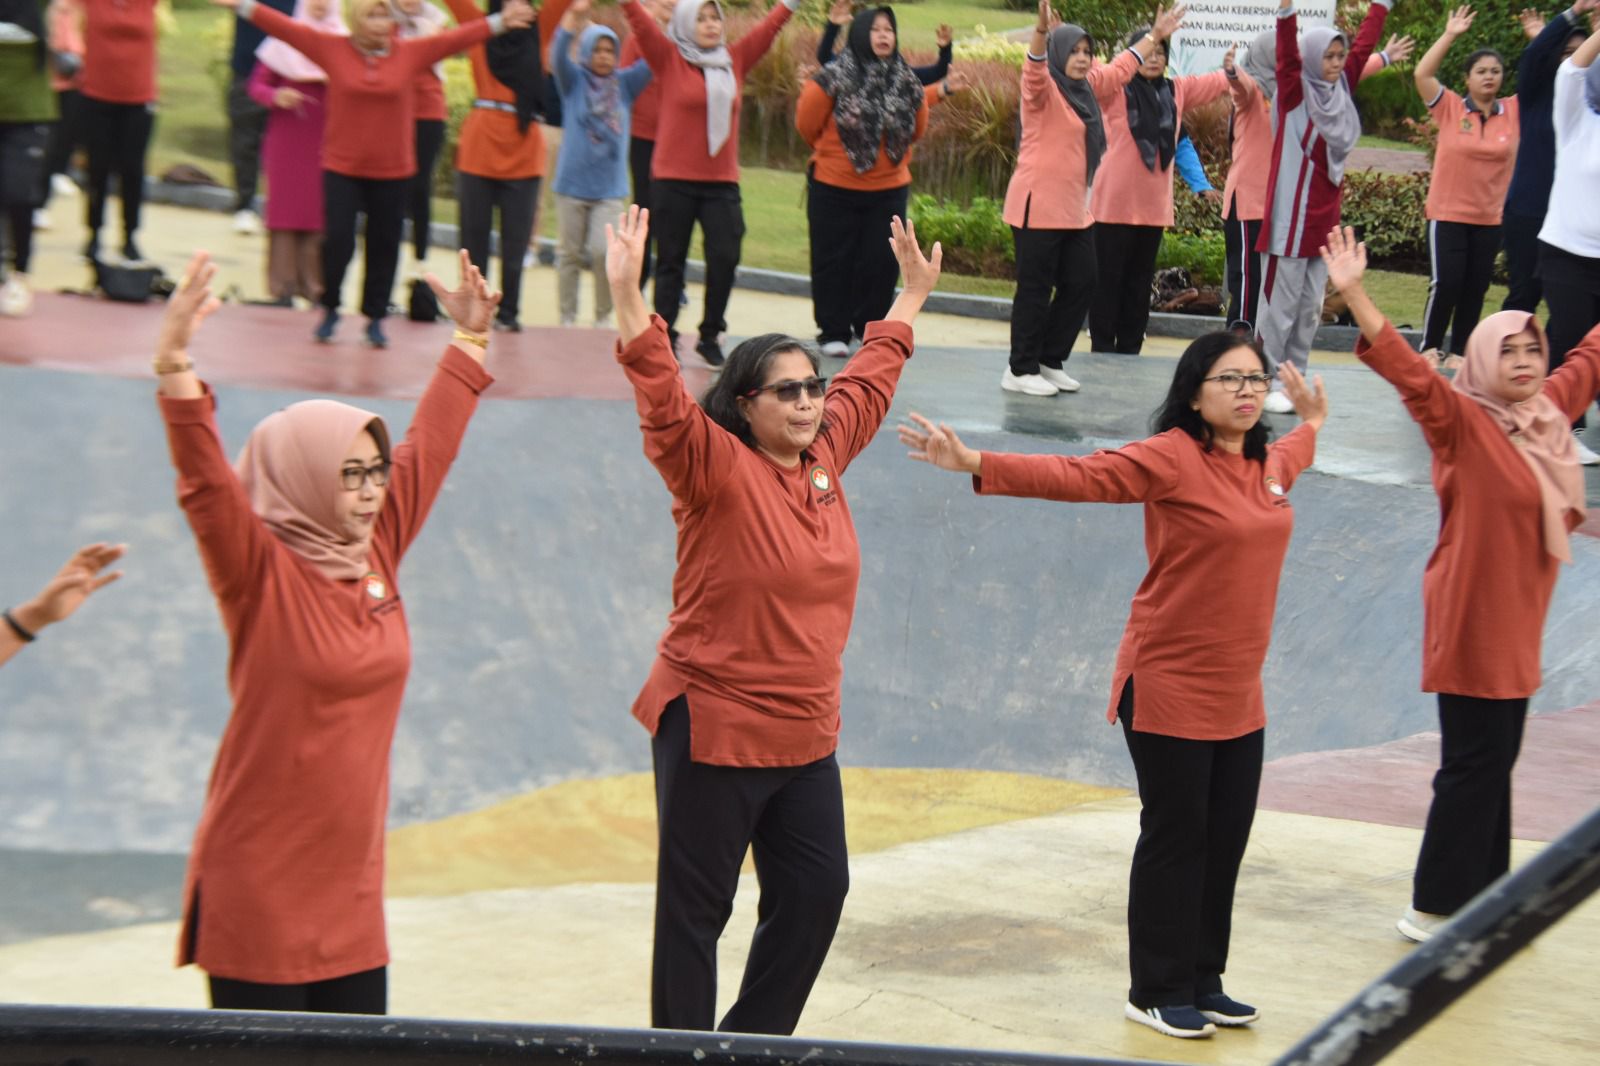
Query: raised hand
x=1460 y=21
x=471 y=304
x=1227 y=57
x=839 y=13
x=187 y=307
x=920 y=273
x=1047 y=17
x=1399 y=49
x=75 y=582
x=517 y=14
x=938 y=445
x=1346 y=258
x=625 y=246
x=1310 y=400
x=944 y=35
x=1531 y=21
x=1168 y=21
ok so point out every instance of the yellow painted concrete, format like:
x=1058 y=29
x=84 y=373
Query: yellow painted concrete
x=605 y=830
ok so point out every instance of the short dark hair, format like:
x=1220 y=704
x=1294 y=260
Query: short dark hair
x=1472 y=60
x=746 y=369
x=1194 y=366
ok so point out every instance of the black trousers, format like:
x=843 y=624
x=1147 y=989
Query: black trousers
x=66 y=136
x=358 y=993
x=1121 y=308
x=675 y=207
x=247 y=126
x=1197 y=802
x=853 y=268
x=1056 y=273
x=1467 y=842
x=640 y=153
x=1572 y=294
x=793 y=817
x=383 y=201
x=1244 y=269
x=477 y=198
x=1461 y=259
x=1519 y=236
x=430 y=138
x=23 y=185
x=118 y=137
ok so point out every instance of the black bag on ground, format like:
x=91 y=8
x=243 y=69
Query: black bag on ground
x=423 y=305
x=131 y=284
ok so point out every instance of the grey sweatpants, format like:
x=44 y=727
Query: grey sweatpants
x=1291 y=308
x=583 y=236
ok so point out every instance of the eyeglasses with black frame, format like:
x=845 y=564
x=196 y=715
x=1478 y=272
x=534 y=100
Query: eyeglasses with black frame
x=789 y=391
x=352 y=477
x=1233 y=381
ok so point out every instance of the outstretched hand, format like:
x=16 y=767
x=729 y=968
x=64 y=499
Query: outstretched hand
x=1399 y=49
x=187 y=307
x=1460 y=21
x=921 y=272
x=839 y=13
x=517 y=14
x=75 y=582
x=1227 y=57
x=938 y=445
x=1310 y=400
x=625 y=243
x=471 y=304
x=944 y=35
x=1346 y=258
x=1169 y=20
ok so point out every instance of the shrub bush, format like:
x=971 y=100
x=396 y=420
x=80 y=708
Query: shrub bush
x=1387 y=100
x=975 y=237
x=1203 y=255
x=1387 y=210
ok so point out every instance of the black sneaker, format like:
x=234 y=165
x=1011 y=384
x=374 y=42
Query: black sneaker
x=504 y=325
x=710 y=350
x=324 y=331
x=1224 y=1010
x=1185 y=1023
x=130 y=251
x=374 y=337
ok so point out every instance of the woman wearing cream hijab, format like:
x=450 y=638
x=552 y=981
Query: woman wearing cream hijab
x=302 y=540
x=1510 y=493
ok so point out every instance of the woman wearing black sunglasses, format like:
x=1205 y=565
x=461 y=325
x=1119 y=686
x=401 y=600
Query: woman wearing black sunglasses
x=1187 y=681
x=743 y=700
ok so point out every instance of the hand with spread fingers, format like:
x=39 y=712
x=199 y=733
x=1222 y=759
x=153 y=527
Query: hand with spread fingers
x=471 y=304
x=1309 y=398
x=79 y=578
x=938 y=446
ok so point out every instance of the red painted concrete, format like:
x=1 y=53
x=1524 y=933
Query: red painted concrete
x=1554 y=786
x=269 y=347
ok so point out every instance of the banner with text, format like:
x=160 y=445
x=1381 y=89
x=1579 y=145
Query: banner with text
x=1214 y=26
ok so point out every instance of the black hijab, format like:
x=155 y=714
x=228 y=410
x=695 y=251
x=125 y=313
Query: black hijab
x=1077 y=92
x=875 y=101
x=1152 y=115
x=28 y=14
x=515 y=63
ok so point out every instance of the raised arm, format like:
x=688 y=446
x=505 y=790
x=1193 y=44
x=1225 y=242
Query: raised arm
x=935 y=71
x=635 y=79
x=314 y=43
x=1289 y=91
x=1109 y=79
x=653 y=44
x=748 y=50
x=566 y=70
x=78 y=579
x=811 y=112
x=839 y=16
x=1427 y=73
x=1366 y=42
x=1433 y=404
x=1576 y=382
x=1536 y=70
x=693 y=455
x=423 y=52
x=1197 y=90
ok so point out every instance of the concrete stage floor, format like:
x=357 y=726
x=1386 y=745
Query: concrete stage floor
x=989 y=817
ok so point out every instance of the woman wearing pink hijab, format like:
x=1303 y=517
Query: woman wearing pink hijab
x=1510 y=489
x=302 y=540
x=294 y=91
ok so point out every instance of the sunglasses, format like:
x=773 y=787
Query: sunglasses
x=789 y=391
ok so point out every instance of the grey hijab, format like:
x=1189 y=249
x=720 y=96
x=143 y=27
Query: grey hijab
x=1079 y=96
x=1329 y=104
x=1261 y=62
x=715 y=63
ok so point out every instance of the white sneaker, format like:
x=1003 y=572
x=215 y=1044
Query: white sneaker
x=62 y=185
x=1278 y=403
x=836 y=350
x=1420 y=926
x=1060 y=379
x=528 y=260
x=15 y=297
x=1032 y=384
x=1586 y=454
x=603 y=322
x=41 y=219
x=246 y=222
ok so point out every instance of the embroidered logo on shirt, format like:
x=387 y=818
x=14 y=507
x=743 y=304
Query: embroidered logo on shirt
x=1274 y=486
x=819 y=478
x=375 y=586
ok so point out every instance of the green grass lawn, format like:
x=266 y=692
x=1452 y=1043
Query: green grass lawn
x=1370 y=141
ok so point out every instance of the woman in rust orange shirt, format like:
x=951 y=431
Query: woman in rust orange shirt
x=302 y=539
x=1511 y=490
x=1187 y=683
x=743 y=699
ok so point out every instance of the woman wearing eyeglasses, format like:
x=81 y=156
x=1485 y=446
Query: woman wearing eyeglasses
x=1187 y=681
x=743 y=699
x=302 y=539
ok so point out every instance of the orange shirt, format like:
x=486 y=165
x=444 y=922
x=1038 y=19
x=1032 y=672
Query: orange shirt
x=1216 y=529
x=1487 y=586
x=1472 y=166
x=647 y=105
x=1050 y=188
x=760 y=665
x=490 y=144
x=813 y=117
x=1251 y=157
x=66 y=35
x=1126 y=192
x=119 y=51
x=285 y=878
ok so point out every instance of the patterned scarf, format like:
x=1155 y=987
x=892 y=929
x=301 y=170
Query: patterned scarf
x=875 y=101
x=602 y=97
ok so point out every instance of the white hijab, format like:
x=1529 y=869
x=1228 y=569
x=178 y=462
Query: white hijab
x=1328 y=103
x=715 y=63
x=288 y=62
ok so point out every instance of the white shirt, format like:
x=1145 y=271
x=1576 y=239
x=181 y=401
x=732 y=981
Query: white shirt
x=1573 y=222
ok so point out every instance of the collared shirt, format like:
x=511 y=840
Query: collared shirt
x=1472 y=167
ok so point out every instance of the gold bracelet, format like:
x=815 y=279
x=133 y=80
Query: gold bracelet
x=171 y=368
x=477 y=340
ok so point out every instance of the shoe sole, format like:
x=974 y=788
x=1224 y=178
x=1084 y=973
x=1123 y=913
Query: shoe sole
x=1066 y=388
x=1230 y=1021
x=1415 y=934
x=1020 y=391
x=1134 y=1014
